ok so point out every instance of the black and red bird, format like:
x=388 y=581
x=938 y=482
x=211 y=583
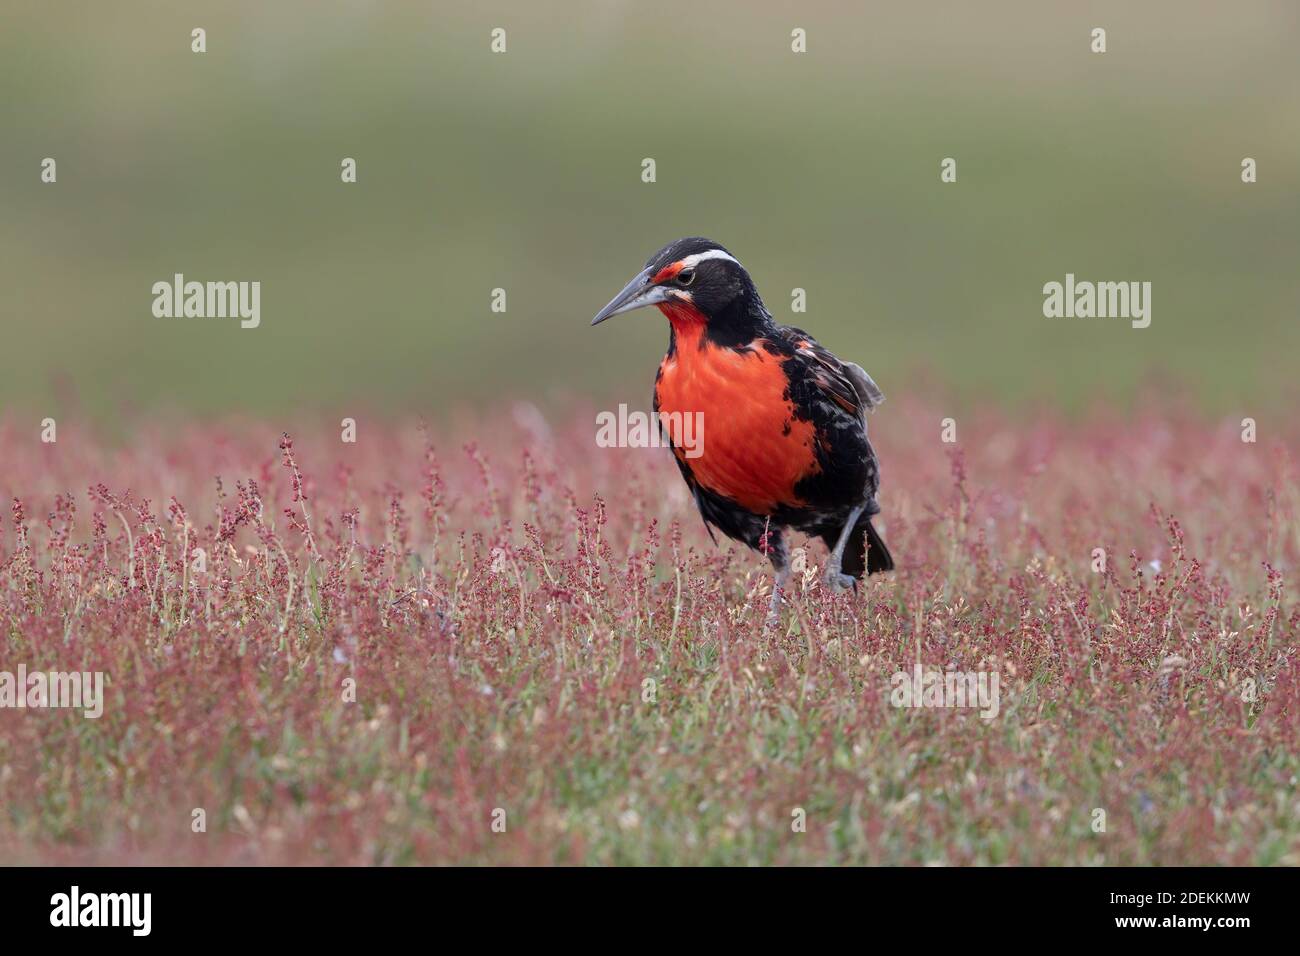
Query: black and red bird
x=784 y=442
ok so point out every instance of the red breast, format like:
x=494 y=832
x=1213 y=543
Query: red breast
x=753 y=450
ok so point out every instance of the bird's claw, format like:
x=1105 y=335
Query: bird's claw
x=836 y=581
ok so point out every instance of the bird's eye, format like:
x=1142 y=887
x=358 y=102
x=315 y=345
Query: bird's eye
x=686 y=277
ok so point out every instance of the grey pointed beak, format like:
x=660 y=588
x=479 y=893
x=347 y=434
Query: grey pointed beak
x=637 y=293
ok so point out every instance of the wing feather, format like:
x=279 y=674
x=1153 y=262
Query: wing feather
x=846 y=384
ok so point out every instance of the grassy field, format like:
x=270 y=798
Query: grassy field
x=490 y=641
x=541 y=636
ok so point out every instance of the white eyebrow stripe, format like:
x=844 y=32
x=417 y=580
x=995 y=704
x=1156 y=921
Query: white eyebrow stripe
x=690 y=262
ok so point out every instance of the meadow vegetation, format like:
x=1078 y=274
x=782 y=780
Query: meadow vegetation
x=388 y=643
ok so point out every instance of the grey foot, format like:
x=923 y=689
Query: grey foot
x=774 y=609
x=835 y=581
x=779 y=585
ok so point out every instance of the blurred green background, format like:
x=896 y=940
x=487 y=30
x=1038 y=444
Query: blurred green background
x=522 y=171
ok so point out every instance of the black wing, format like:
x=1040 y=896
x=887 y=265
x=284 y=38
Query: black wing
x=844 y=383
x=835 y=396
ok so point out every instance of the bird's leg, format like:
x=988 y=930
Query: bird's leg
x=772 y=543
x=779 y=584
x=835 y=578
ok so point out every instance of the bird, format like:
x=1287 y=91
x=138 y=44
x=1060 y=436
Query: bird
x=784 y=441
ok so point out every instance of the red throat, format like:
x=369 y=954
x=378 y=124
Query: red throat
x=687 y=321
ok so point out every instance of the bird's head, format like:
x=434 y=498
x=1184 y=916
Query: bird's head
x=697 y=284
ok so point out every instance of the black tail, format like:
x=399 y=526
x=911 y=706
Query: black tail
x=866 y=551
